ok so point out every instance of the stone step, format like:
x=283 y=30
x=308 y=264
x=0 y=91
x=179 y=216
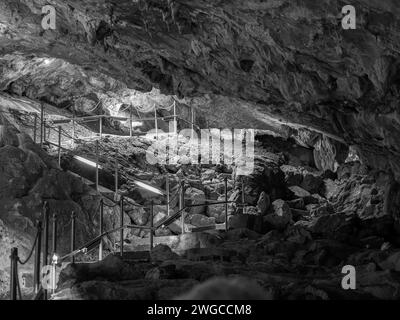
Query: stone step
x=211 y=254
x=220 y=226
x=178 y=243
x=135 y=256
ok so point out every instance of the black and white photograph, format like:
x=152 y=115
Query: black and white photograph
x=187 y=152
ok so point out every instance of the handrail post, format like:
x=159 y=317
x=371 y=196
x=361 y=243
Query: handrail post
x=151 y=225
x=116 y=178
x=243 y=197
x=101 y=127
x=101 y=229
x=59 y=145
x=54 y=257
x=167 y=191
x=176 y=126
x=73 y=127
x=130 y=122
x=192 y=121
x=13 y=273
x=181 y=205
x=45 y=240
x=175 y=123
x=97 y=165
x=226 y=203
x=73 y=216
x=155 y=121
x=35 y=127
x=41 y=124
x=121 y=235
x=45 y=234
x=36 y=272
x=54 y=221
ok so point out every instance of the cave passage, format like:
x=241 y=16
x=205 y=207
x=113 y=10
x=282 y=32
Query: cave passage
x=199 y=150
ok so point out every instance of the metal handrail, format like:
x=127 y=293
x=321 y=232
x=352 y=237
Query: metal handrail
x=164 y=223
x=90 y=245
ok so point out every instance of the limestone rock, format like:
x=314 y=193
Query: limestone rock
x=281 y=215
x=263 y=203
x=195 y=196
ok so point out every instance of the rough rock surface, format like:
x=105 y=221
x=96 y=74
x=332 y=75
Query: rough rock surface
x=283 y=67
x=291 y=60
x=29 y=177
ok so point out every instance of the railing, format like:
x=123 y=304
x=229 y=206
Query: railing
x=43 y=233
x=43 y=225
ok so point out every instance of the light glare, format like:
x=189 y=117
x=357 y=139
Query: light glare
x=148 y=187
x=86 y=161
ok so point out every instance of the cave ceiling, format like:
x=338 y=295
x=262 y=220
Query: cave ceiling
x=289 y=60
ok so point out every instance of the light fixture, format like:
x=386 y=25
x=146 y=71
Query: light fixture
x=54 y=259
x=149 y=187
x=47 y=61
x=87 y=161
x=137 y=123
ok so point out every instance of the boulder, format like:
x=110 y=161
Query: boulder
x=293 y=176
x=299 y=192
x=195 y=196
x=381 y=284
x=336 y=226
x=162 y=252
x=263 y=203
x=245 y=221
x=139 y=216
x=280 y=217
x=312 y=183
x=296 y=204
x=392 y=262
x=199 y=220
x=218 y=211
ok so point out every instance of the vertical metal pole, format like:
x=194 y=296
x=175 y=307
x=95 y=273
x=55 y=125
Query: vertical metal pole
x=36 y=272
x=73 y=216
x=226 y=203
x=44 y=130
x=116 y=178
x=54 y=220
x=101 y=127
x=243 y=197
x=130 y=122
x=13 y=273
x=192 y=120
x=45 y=234
x=151 y=225
x=54 y=252
x=101 y=230
x=121 y=234
x=59 y=146
x=181 y=205
x=167 y=191
x=41 y=124
x=155 y=121
x=45 y=253
x=97 y=165
x=53 y=274
x=73 y=128
x=175 y=124
x=35 y=128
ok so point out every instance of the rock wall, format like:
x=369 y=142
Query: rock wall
x=28 y=178
x=290 y=60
